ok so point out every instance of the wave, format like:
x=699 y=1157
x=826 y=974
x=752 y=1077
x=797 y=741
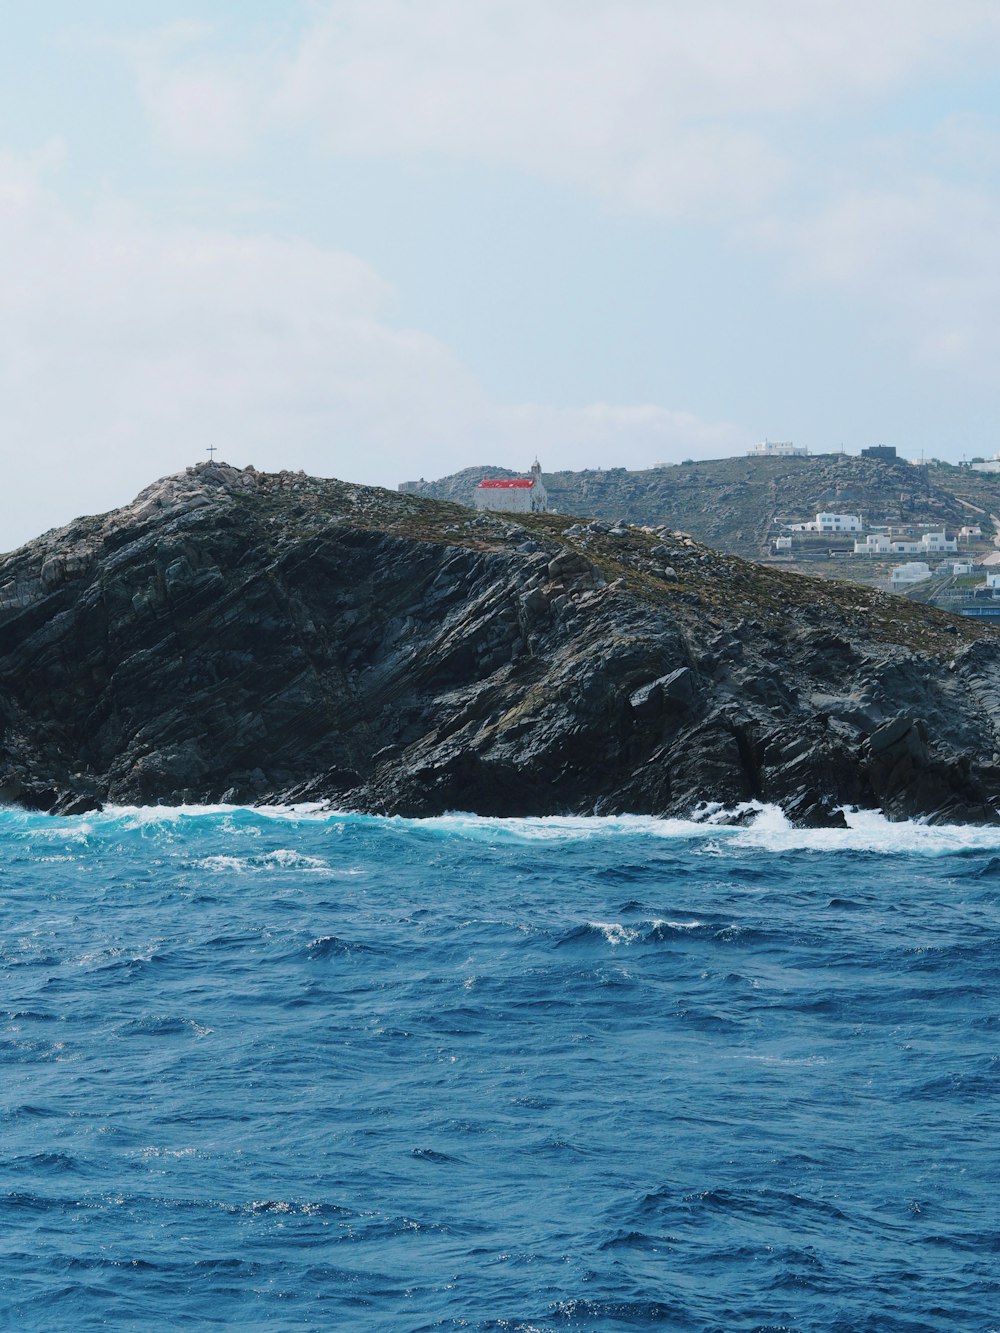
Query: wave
x=751 y=827
x=332 y=946
x=659 y=931
x=284 y=858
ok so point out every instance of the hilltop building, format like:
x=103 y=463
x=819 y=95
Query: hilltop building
x=513 y=495
x=884 y=452
x=989 y=465
x=776 y=449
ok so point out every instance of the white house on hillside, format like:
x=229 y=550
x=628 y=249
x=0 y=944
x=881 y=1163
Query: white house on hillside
x=904 y=576
x=880 y=543
x=938 y=543
x=831 y=523
x=931 y=543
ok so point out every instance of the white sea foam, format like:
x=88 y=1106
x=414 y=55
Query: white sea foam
x=220 y=865
x=761 y=828
x=170 y=814
x=614 y=932
x=867 y=831
x=285 y=858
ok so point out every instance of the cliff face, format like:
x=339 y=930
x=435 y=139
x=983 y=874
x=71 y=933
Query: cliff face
x=246 y=637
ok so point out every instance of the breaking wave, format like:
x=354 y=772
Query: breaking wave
x=749 y=827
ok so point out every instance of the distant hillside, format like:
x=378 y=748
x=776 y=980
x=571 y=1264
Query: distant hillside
x=731 y=503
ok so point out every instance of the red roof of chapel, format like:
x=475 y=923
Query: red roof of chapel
x=507 y=483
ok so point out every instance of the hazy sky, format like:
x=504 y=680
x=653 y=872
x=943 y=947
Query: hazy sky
x=383 y=239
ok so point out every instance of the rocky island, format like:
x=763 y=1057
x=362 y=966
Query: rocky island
x=249 y=637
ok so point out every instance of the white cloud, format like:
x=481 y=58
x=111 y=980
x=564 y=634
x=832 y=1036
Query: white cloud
x=126 y=351
x=921 y=259
x=669 y=107
x=196 y=102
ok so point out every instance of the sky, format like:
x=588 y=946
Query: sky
x=386 y=239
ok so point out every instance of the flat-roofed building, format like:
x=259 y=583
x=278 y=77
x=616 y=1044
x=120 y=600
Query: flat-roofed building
x=777 y=449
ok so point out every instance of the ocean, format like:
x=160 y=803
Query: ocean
x=293 y=1070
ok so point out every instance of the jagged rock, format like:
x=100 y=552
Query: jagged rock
x=891 y=734
x=681 y=686
x=810 y=809
x=243 y=636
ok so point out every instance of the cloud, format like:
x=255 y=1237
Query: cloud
x=661 y=106
x=748 y=118
x=126 y=350
x=921 y=259
x=196 y=102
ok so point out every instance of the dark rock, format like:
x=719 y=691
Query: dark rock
x=75 y=803
x=811 y=809
x=681 y=686
x=890 y=734
x=251 y=637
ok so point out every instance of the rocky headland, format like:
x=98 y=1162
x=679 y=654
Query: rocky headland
x=251 y=637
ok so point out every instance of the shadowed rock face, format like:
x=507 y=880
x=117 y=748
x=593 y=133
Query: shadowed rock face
x=246 y=637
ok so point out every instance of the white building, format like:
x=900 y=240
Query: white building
x=961 y=567
x=782 y=543
x=973 y=530
x=937 y=543
x=776 y=449
x=513 y=495
x=904 y=576
x=876 y=543
x=831 y=523
x=931 y=543
x=990 y=465
x=993 y=581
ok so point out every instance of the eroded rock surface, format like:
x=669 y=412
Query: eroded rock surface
x=249 y=637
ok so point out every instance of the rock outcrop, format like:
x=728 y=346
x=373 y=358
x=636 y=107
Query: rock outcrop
x=247 y=637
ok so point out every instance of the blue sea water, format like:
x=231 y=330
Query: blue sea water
x=287 y=1070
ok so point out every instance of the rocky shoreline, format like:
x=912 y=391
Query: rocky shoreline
x=257 y=638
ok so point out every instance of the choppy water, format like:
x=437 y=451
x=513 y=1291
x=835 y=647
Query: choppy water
x=291 y=1071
